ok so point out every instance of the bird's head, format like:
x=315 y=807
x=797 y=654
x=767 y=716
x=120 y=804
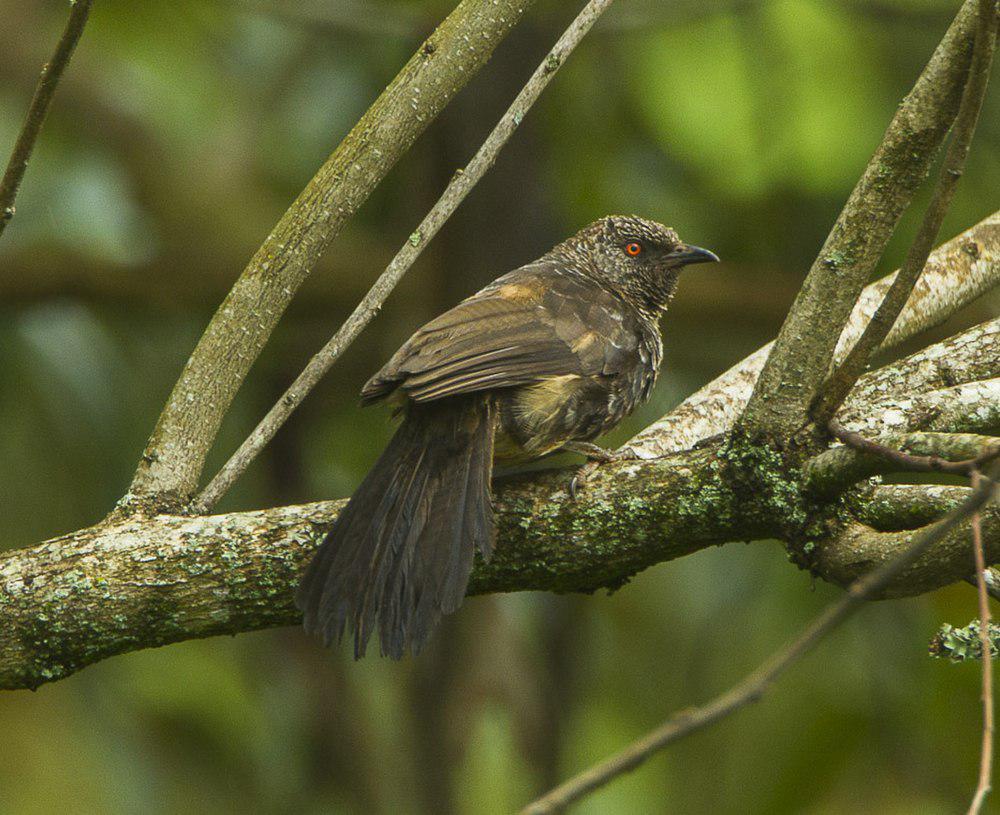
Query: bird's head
x=638 y=258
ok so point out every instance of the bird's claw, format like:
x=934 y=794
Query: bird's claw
x=596 y=460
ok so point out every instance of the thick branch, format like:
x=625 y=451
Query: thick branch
x=175 y=454
x=957 y=273
x=146 y=581
x=804 y=349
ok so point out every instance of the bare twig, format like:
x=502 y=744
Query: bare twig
x=835 y=470
x=753 y=686
x=908 y=462
x=171 y=465
x=803 y=352
x=840 y=382
x=459 y=187
x=986 y=753
x=52 y=71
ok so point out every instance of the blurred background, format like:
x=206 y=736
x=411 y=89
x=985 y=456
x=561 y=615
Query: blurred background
x=180 y=134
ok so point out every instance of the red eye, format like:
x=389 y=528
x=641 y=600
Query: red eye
x=633 y=248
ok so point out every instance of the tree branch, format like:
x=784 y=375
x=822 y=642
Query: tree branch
x=143 y=581
x=893 y=507
x=957 y=273
x=140 y=581
x=858 y=549
x=972 y=407
x=459 y=187
x=835 y=390
x=833 y=471
x=175 y=454
x=753 y=686
x=52 y=72
x=804 y=349
x=966 y=357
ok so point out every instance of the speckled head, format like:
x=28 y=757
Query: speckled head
x=635 y=257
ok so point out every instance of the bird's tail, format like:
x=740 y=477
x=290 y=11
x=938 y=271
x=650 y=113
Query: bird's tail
x=401 y=552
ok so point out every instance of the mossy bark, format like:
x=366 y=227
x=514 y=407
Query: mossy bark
x=145 y=581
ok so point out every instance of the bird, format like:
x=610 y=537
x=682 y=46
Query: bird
x=546 y=358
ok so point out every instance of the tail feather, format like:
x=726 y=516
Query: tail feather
x=401 y=552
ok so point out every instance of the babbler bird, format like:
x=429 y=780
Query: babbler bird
x=545 y=358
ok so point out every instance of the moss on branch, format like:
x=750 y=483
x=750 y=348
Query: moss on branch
x=145 y=581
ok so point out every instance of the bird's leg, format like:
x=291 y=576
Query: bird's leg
x=596 y=456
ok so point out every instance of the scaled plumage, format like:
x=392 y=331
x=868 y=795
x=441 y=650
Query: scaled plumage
x=555 y=352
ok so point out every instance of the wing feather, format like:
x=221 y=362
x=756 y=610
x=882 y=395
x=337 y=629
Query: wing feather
x=527 y=326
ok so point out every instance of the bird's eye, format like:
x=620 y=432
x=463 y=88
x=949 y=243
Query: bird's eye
x=634 y=248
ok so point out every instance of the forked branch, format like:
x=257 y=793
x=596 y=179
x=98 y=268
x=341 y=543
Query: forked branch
x=840 y=382
x=171 y=465
x=802 y=354
x=459 y=187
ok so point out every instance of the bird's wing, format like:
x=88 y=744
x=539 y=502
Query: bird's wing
x=526 y=327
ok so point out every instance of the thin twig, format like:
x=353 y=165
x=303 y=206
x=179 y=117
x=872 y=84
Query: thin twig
x=753 y=686
x=459 y=187
x=52 y=71
x=986 y=753
x=840 y=382
x=908 y=462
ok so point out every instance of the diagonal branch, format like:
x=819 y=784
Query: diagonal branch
x=752 y=687
x=958 y=272
x=459 y=187
x=804 y=349
x=52 y=72
x=839 y=384
x=175 y=454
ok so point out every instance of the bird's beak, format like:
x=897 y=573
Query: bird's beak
x=684 y=255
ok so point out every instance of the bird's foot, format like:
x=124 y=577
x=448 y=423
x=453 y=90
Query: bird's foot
x=597 y=456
